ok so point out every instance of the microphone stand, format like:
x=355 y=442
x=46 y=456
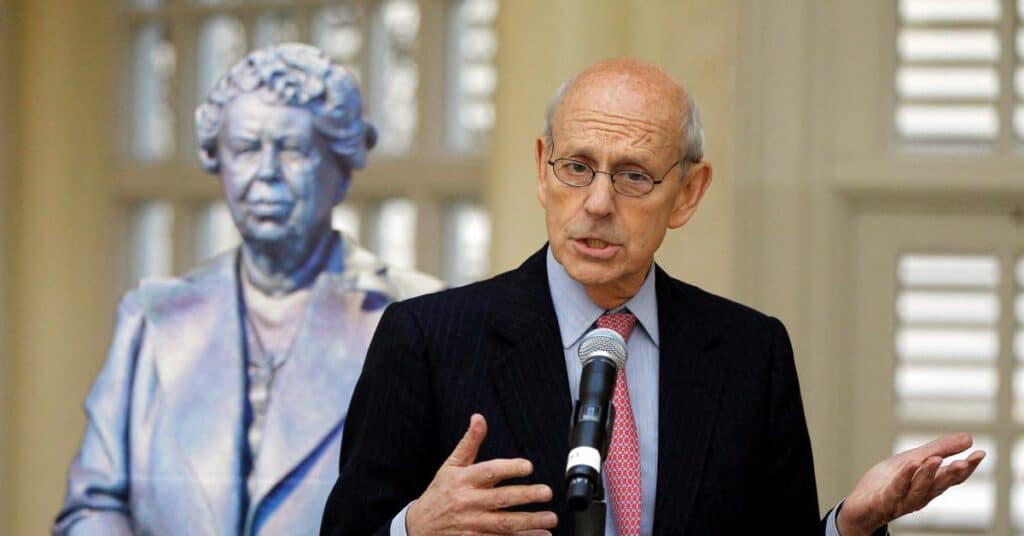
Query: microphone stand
x=590 y=521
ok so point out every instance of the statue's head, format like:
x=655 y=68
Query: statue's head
x=284 y=128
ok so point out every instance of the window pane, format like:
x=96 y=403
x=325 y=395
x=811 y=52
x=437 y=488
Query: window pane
x=945 y=393
x=396 y=74
x=947 y=344
x=949 y=10
x=395 y=232
x=337 y=31
x=152 y=240
x=949 y=45
x=221 y=44
x=478 y=43
x=153 y=113
x=474 y=77
x=948 y=307
x=215 y=231
x=479 y=80
x=469 y=242
x=275 y=28
x=947 y=122
x=951 y=382
x=918 y=82
x=944 y=411
x=948 y=270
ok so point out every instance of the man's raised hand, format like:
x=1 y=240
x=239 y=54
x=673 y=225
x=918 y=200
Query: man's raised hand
x=463 y=499
x=905 y=483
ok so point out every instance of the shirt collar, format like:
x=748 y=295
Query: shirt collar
x=577 y=314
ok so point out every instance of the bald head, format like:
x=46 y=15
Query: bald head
x=635 y=84
x=629 y=121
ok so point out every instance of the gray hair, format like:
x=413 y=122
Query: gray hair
x=692 y=149
x=297 y=75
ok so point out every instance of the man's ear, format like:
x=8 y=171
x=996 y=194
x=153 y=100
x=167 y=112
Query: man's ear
x=695 y=183
x=542 y=194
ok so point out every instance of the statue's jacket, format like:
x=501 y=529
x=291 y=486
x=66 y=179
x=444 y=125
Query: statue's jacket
x=162 y=452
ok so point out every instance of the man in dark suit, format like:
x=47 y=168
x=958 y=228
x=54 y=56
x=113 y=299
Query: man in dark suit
x=710 y=436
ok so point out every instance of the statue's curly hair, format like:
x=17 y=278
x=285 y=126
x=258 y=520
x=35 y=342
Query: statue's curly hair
x=298 y=75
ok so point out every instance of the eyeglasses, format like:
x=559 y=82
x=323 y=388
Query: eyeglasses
x=629 y=182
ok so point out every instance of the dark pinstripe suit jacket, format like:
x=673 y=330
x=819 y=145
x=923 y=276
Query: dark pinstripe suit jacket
x=733 y=450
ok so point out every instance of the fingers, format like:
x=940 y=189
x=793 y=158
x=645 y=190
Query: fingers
x=900 y=483
x=921 y=485
x=465 y=452
x=487 y=474
x=956 y=472
x=509 y=496
x=513 y=522
x=944 y=446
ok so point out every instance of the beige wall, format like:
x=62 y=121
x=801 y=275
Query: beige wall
x=695 y=41
x=791 y=244
x=61 y=221
x=6 y=169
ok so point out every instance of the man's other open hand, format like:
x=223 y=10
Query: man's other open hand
x=906 y=482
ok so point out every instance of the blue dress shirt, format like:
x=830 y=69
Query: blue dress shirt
x=576 y=316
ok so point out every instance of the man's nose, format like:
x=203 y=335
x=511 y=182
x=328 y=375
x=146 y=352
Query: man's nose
x=600 y=195
x=269 y=163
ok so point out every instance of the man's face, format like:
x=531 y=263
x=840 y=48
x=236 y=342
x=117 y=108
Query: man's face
x=278 y=173
x=615 y=122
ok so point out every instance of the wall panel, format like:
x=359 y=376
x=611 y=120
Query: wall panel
x=7 y=133
x=62 y=217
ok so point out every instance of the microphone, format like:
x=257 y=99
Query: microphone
x=603 y=353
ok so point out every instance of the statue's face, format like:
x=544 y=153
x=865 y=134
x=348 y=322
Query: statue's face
x=279 y=175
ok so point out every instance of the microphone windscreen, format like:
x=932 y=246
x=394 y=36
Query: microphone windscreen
x=603 y=342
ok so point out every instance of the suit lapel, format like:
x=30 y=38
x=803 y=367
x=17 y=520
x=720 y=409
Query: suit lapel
x=689 y=389
x=530 y=377
x=197 y=335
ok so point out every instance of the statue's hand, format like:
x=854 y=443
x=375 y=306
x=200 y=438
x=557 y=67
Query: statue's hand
x=904 y=483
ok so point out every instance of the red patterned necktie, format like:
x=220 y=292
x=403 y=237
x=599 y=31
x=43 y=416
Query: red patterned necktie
x=622 y=468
